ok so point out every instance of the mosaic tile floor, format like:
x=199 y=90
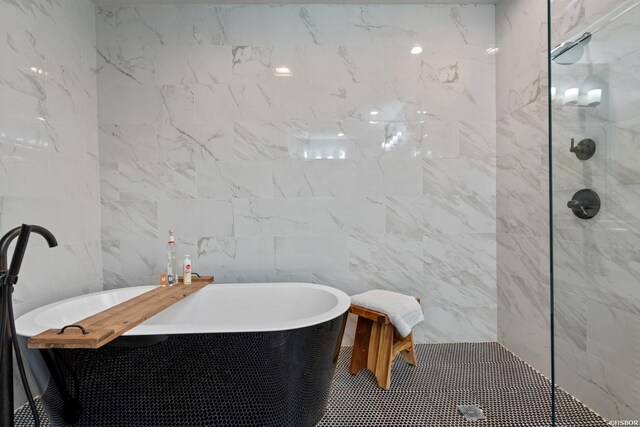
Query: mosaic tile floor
x=510 y=393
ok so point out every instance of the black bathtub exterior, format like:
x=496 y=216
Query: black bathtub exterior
x=277 y=379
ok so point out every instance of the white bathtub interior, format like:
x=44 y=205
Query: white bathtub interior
x=249 y=307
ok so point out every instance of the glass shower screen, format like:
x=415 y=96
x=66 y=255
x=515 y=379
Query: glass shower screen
x=595 y=172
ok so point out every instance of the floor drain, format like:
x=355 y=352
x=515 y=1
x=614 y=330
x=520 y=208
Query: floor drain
x=471 y=412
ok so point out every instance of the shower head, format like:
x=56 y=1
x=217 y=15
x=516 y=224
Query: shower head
x=570 y=52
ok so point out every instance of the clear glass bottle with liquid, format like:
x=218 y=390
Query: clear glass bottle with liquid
x=172 y=260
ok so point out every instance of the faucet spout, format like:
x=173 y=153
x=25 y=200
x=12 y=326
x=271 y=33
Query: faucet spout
x=23 y=231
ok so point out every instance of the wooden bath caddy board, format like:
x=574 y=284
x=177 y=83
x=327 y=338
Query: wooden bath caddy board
x=107 y=325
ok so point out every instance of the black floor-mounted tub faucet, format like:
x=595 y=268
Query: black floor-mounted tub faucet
x=8 y=340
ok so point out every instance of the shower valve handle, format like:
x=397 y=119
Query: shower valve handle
x=584 y=149
x=576 y=204
x=585 y=204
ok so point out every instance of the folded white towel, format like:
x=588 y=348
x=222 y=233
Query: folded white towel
x=403 y=311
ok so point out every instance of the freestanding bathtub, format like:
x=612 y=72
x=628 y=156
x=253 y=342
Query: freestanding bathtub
x=258 y=354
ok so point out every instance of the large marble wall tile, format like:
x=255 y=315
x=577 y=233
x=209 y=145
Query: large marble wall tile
x=192 y=218
x=127 y=64
x=193 y=142
x=236 y=254
x=520 y=172
x=233 y=179
x=526 y=339
x=456 y=25
x=308 y=25
x=462 y=176
x=272 y=217
x=612 y=334
x=292 y=100
x=526 y=74
x=464 y=251
x=385 y=252
x=122 y=143
x=409 y=215
x=76 y=263
x=129 y=104
x=463 y=214
x=478 y=139
x=462 y=288
x=528 y=214
x=526 y=128
x=468 y=324
x=523 y=298
x=264 y=141
x=240 y=102
x=342 y=64
x=153 y=25
x=239 y=25
x=351 y=216
x=127 y=219
x=520 y=256
x=178 y=104
x=157 y=180
x=441 y=214
x=309 y=254
x=384 y=24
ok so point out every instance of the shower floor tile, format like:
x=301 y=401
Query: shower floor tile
x=510 y=393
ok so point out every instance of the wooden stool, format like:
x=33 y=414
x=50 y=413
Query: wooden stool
x=377 y=343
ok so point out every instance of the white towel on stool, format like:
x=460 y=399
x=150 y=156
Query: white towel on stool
x=403 y=311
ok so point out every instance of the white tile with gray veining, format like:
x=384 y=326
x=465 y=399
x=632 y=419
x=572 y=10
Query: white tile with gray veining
x=340 y=172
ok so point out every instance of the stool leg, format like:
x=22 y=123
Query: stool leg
x=410 y=353
x=383 y=350
x=360 y=352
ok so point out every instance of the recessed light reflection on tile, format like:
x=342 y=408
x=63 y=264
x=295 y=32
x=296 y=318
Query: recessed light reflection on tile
x=282 y=71
x=492 y=50
x=374 y=112
x=373 y=122
x=416 y=50
x=340 y=134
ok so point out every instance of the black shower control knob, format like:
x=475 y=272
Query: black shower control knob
x=585 y=148
x=585 y=204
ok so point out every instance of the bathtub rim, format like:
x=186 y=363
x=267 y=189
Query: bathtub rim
x=27 y=325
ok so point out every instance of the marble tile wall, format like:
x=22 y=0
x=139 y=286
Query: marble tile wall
x=596 y=272
x=368 y=167
x=49 y=146
x=522 y=181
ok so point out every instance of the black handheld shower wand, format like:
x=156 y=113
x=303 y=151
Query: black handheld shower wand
x=8 y=336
